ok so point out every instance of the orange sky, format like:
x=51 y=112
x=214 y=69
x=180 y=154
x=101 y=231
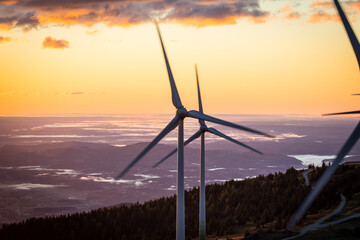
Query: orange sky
x=283 y=58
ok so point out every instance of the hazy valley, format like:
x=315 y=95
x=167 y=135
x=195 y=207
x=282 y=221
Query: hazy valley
x=57 y=165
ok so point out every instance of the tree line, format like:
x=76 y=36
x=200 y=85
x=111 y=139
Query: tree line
x=259 y=200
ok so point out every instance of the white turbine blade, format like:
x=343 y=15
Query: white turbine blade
x=199 y=95
x=353 y=39
x=220 y=134
x=174 y=92
x=192 y=138
x=341 y=113
x=162 y=134
x=197 y=115
x=324 y=178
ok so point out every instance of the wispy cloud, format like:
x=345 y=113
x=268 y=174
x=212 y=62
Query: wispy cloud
x=322 y=16
x=23 y=93
x=289 y=13
x=91 y=32
x=324 y=11
x=318 y=3
x=4 y=39
x=77 y=93
x=50 y=42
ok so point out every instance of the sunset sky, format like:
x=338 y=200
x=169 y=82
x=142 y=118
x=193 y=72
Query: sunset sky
x=104 y=57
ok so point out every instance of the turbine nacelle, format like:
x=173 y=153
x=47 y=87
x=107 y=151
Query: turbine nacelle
x=203 y=128
x=182 y=112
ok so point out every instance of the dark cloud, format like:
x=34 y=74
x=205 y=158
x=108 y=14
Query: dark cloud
x=28 y=21
x=25 y=21
x=8 y=20
x=217 y=10
x=50 y=42
x=117 y=12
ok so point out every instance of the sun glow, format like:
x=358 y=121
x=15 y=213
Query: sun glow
x=275 y=66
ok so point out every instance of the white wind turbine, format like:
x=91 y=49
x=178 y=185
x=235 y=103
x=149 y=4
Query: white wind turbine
x=351 y=141
x=178 y=120
x=201 y=133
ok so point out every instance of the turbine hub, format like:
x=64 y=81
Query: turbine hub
x=203 y=127
x=182 y=112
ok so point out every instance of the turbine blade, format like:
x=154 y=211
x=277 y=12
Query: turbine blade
x=220 y=134
x=192 y=138
x=324 y=178
x=198 y=88
x=174 y=92
x=356 y=94
x=341 y=113
x=197 y=115
x=199 y=95
x=353 y=39
x=173 y=123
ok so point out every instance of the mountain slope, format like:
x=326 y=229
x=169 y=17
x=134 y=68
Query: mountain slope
x=233 y=208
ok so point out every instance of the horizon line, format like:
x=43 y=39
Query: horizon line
x=133 y=114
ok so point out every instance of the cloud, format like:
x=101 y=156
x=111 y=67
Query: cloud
x=4 y=39
x=69 y=93
x=8 y=1
x=50 y=42
x=30 y=14
x=289 y=13
x=91 y=32
x=318 y=3
x=322 y=16
x=25 y=21
x=215 y=12
x=355 y=4
x=324 y=11
x=77 y=93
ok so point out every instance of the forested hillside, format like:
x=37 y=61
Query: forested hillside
x=235 y=203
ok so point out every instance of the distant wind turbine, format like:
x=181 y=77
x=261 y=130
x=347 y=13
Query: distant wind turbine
x=178 y=120
x=351 y=141
x=201 y=133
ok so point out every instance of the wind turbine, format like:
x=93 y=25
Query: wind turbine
x=178 y=120
x=351 y=141
x=201 y=133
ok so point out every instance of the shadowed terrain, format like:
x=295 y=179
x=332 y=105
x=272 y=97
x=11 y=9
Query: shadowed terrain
x=234 y=209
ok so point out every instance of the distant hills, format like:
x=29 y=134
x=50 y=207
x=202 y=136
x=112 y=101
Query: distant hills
x=57 y=178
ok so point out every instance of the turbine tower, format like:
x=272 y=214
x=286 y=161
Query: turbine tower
x=178 y=120
x=351 y=141
x=201 y=133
